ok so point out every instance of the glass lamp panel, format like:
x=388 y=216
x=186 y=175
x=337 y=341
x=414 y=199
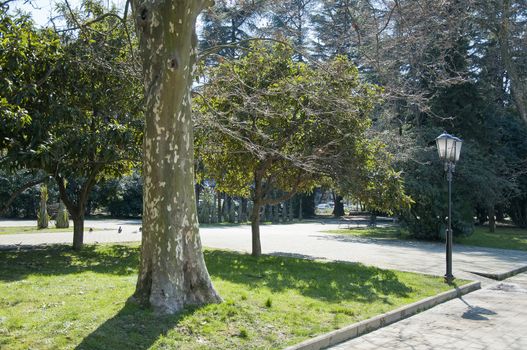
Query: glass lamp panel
x=441 y=147
x=450 y=149
x=441 y=142
x=458 y=149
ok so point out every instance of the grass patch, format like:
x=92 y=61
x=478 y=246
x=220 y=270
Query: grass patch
x=393 y=232
x=55 y=298
x=503 y=238
x=12 y=230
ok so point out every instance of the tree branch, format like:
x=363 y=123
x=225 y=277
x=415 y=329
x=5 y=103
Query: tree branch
x=19 y=191
x=283 y=198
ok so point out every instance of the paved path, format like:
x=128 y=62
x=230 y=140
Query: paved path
x=306 y=240
x=494 y=317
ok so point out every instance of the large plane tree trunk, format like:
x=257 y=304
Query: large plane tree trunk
x=172 y=272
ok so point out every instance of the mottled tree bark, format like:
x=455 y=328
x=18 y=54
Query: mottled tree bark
x=243 y=210
x=276 y=214
x=172 y=273
x=219 y=207
x=285 y=212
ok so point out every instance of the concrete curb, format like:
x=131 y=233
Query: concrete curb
x=501 y=276
x=366 y=326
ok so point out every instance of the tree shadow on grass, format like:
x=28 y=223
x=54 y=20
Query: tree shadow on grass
x=331 y=281
x=62 y=260
x=136 y=328
x=132 y=328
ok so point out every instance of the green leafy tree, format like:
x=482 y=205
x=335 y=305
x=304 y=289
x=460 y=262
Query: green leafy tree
x=28 y=57
x=18 y=193
x=267 y=123
x=82 y=111
x=120 y=197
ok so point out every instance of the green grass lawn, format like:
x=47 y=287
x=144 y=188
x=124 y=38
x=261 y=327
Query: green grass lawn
x=504 y=238
x=12 y=230
x=393 y=232
x=59 y=299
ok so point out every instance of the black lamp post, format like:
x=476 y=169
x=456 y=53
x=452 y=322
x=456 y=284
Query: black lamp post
x=449 y=149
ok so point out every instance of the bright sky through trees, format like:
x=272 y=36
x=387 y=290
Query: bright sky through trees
x=43 y=10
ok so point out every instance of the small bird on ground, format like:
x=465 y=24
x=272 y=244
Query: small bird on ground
x=120 y=229
x=91 y=229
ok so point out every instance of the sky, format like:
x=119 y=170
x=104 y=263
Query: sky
x=43 y=10
x=40 y=10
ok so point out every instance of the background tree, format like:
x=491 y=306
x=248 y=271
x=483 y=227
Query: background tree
x=18 y=193
x=80 y=121
x=226 y=26
x=289 y=20
x=502 y=23
x=335 y=24
x=268 y=123
x=120 y=197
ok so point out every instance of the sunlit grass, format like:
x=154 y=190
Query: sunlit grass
x=59 y=299
x=503 y=238
x=394 y=232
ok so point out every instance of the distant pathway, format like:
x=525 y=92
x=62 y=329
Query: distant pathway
x=306 y=240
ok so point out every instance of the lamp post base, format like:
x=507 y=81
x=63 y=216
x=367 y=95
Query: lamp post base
x=449 y=279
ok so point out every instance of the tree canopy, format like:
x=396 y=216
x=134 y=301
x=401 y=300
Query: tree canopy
x=267 y=122
x=71 y=106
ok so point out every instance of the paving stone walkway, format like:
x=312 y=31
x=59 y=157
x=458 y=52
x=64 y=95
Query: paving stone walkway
x=493 y=318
